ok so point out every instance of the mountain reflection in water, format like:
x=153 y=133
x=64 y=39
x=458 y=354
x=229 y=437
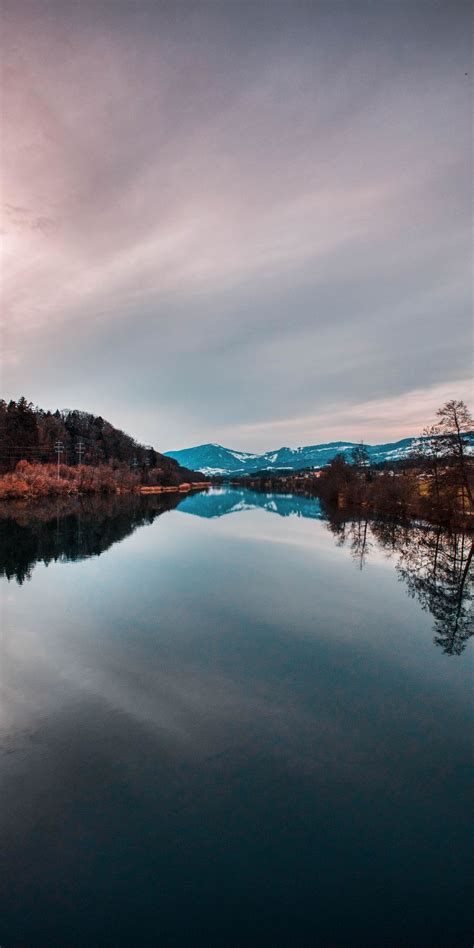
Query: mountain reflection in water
x=435 y=564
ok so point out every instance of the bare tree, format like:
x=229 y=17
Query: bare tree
x=360 y=457
x=428 y=451
x=455 y=421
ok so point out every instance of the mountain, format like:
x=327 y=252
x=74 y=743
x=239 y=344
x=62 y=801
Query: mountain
x=218 y=460
x=213 y=459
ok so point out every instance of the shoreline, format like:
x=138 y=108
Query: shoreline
x=345 y=508
x=182 y=488
x=32 y=495
x=35 y=482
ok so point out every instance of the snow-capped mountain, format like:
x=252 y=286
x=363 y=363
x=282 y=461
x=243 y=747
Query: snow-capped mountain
x=214 y=459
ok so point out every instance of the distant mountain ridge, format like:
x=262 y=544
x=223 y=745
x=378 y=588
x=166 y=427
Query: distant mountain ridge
x=214 y=459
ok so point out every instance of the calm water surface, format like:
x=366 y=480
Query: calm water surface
x=240 y=724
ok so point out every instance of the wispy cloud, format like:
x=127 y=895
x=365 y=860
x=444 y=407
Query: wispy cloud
x=221 y=214
x=374 y=419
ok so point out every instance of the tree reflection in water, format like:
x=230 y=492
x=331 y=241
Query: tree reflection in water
x=71 y=528
x=435 y=564
x=437 y=568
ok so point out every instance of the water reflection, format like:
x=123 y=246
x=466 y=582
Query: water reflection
x=437 y=568
x=223 y=501
x=222 y=732
x=71 y=528
x=435 y=564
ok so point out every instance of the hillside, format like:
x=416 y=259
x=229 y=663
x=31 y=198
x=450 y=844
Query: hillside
x=29 y=433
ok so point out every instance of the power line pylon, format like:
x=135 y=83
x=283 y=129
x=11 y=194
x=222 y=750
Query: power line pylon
x=59 y=448
x=80 y=451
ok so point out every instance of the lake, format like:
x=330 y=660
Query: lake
x=228 y=720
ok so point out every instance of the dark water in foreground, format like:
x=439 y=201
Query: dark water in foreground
x=242 y=725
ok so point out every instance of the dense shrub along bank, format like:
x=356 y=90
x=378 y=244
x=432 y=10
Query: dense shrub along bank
x=42 y=480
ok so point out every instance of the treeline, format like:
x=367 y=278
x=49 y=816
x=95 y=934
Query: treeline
x=67 y=451
x=436 y=483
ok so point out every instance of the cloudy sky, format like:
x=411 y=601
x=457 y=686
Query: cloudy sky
x=238 y=222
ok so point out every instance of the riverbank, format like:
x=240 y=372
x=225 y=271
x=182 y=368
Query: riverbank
x=182 y=488
x=406 y=495
x=36 y=481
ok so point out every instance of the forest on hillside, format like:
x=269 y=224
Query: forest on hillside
x=70 y=451
x=29 y=433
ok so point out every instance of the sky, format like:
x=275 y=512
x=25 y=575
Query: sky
x=232 y=222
